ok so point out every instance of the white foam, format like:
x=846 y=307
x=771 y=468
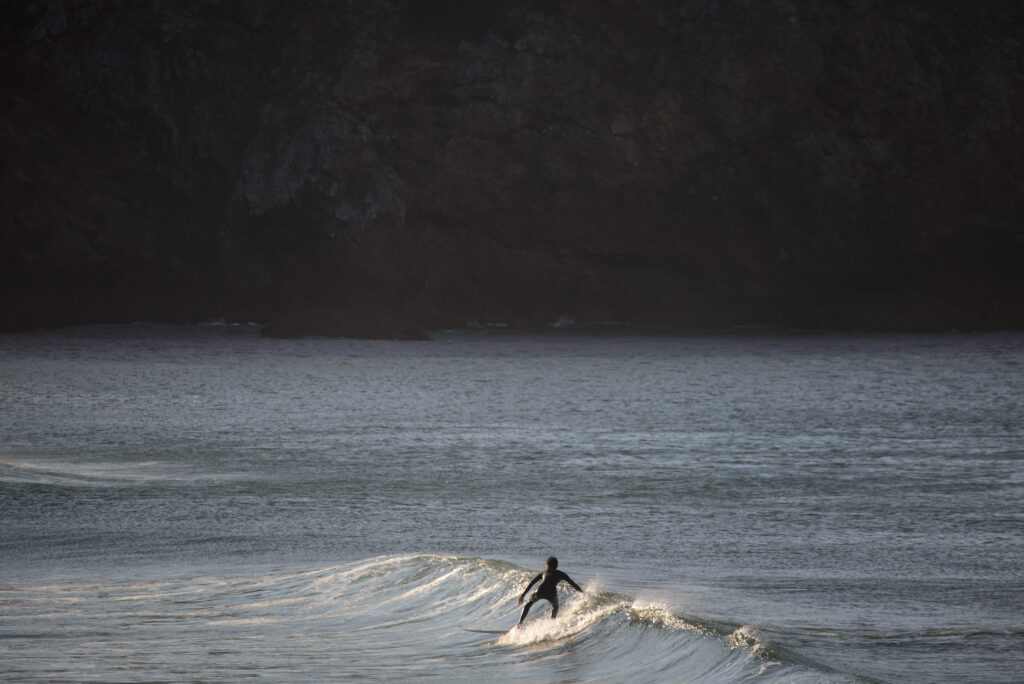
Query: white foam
x=85 y=473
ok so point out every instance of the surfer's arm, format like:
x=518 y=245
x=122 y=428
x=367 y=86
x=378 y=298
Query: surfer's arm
x=532 y=582
x=571 y=583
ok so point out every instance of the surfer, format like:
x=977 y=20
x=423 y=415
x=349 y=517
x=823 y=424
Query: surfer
x=549 y=579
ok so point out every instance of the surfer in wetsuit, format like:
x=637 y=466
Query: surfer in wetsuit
x=547 y=590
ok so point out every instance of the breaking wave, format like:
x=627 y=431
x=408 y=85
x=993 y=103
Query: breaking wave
x=417 y=617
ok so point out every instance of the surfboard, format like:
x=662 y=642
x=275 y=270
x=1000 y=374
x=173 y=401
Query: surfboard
x=486 y=631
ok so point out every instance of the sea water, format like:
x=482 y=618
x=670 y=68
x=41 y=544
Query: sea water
x=197 y=503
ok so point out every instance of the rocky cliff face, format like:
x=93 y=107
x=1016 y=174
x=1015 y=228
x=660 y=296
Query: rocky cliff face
x=378 y=168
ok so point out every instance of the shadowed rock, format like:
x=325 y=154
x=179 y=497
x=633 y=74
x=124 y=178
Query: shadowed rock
x=839 y=165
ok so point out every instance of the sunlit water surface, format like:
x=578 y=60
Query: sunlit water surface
x=201 y=503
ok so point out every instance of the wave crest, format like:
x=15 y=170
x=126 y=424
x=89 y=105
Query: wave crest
x=383 y=619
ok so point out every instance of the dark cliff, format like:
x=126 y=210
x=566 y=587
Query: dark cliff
x=373 y=169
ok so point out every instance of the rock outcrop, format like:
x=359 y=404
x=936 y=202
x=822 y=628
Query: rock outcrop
x=377 y=169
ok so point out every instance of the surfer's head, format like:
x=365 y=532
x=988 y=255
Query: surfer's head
x=552 y=562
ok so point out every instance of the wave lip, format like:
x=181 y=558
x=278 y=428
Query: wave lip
x=387 y=618
x=600 y=636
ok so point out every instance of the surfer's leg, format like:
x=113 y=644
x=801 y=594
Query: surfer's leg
x=526 y=608
x=554 y=606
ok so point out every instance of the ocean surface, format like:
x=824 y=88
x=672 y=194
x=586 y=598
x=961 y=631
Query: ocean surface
x=197 y=503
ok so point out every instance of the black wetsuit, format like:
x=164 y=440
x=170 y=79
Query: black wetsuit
x=547 y=590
